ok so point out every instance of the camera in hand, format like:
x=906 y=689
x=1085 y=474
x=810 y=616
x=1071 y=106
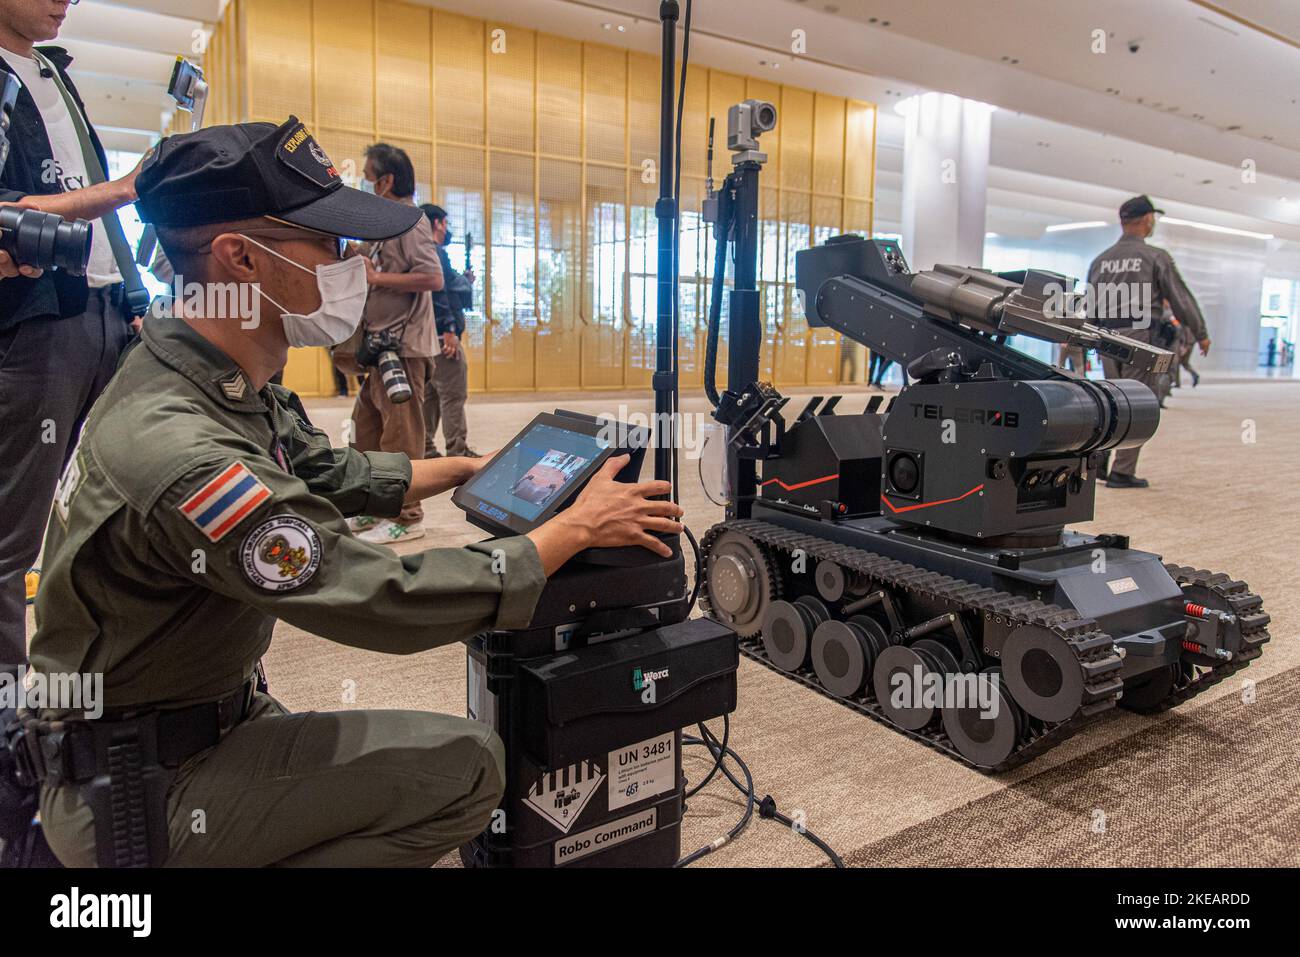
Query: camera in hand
x=45 y=240
x=379 y=350
x=29 y=236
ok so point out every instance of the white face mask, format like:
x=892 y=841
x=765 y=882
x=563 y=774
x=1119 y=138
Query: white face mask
x=343 y=289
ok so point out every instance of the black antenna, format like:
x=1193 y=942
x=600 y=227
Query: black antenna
x=708 y=161
x=665 y=377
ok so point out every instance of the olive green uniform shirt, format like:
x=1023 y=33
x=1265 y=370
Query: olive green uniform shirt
x=196 y=511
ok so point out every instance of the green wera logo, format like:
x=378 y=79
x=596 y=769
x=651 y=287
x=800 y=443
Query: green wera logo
x=642 y=678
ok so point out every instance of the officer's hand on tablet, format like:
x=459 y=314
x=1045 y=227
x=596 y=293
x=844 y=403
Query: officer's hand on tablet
x=622 y=513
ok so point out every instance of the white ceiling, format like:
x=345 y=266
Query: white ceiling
x=1076 y=131
x=123 y=53
x=1055 y=119
x=1191 y=62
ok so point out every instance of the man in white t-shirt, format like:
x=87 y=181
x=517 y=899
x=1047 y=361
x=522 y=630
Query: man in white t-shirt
x=60 y=335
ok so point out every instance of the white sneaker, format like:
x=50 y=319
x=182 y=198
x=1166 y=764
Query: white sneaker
x=359 y=523
x=390 y=533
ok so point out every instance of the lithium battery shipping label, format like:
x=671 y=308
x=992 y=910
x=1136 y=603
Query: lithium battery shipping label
x=561 y=796
x=642 y=770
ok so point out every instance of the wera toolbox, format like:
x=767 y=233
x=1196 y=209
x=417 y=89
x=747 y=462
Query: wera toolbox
x=593 y=740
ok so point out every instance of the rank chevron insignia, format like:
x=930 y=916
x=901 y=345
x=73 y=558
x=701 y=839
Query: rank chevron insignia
x=234 y=387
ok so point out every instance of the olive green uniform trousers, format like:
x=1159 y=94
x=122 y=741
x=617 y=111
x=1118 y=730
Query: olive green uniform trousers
x=336 y=788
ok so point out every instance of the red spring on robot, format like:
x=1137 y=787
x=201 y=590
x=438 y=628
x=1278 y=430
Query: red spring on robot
x=1193 y=647
x=1194 y=610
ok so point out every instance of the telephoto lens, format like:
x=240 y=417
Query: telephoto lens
x=45 y=240
x=393 y=377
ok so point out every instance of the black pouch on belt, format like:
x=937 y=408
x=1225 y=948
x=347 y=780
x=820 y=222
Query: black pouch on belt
x=128 y=794
x=124 y=766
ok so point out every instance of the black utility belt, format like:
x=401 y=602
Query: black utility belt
x=75 y=751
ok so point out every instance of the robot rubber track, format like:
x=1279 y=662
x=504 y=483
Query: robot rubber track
x=1093 y=648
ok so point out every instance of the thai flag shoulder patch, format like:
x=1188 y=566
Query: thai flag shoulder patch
x=224 y=501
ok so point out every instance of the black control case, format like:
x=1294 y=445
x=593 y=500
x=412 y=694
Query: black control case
x=593 y=740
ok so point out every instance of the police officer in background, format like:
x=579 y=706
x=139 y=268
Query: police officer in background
x=201 y=505
x=1129 y=283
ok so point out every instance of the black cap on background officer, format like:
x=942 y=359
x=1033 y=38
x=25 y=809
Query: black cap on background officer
x=1136 y=208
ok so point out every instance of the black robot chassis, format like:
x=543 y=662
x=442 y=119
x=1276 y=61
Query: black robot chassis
x=851 y=618
x=918 y=563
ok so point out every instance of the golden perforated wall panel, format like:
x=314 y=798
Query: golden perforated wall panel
x=511 y=88
x=279 y=59
x=460 y=84
x=404 y=75
x=544 y=151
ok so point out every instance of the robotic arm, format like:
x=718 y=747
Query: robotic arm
x=950 y=317
x=1002 y=441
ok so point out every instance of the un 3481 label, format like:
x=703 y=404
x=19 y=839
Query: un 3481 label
x=642 y=770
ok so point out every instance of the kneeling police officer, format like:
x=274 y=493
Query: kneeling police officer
x=201 y=505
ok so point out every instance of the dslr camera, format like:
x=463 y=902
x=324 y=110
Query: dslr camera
x=378 y=350
x=29 y=236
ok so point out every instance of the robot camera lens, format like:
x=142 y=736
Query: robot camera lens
x=904 y=473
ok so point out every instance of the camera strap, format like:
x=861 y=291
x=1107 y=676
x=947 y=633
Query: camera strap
x=137 y=296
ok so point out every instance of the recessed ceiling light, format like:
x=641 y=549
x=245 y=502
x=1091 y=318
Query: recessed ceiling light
x=1066 y=227
x=1215 y=229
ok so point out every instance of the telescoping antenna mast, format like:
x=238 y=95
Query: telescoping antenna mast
x=665 y=377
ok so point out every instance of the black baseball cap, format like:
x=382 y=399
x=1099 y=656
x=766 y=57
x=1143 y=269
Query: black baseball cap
x=225 y=173
x=1137 y=207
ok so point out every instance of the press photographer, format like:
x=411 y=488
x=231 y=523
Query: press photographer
x=60 y=333
x=397 y=342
